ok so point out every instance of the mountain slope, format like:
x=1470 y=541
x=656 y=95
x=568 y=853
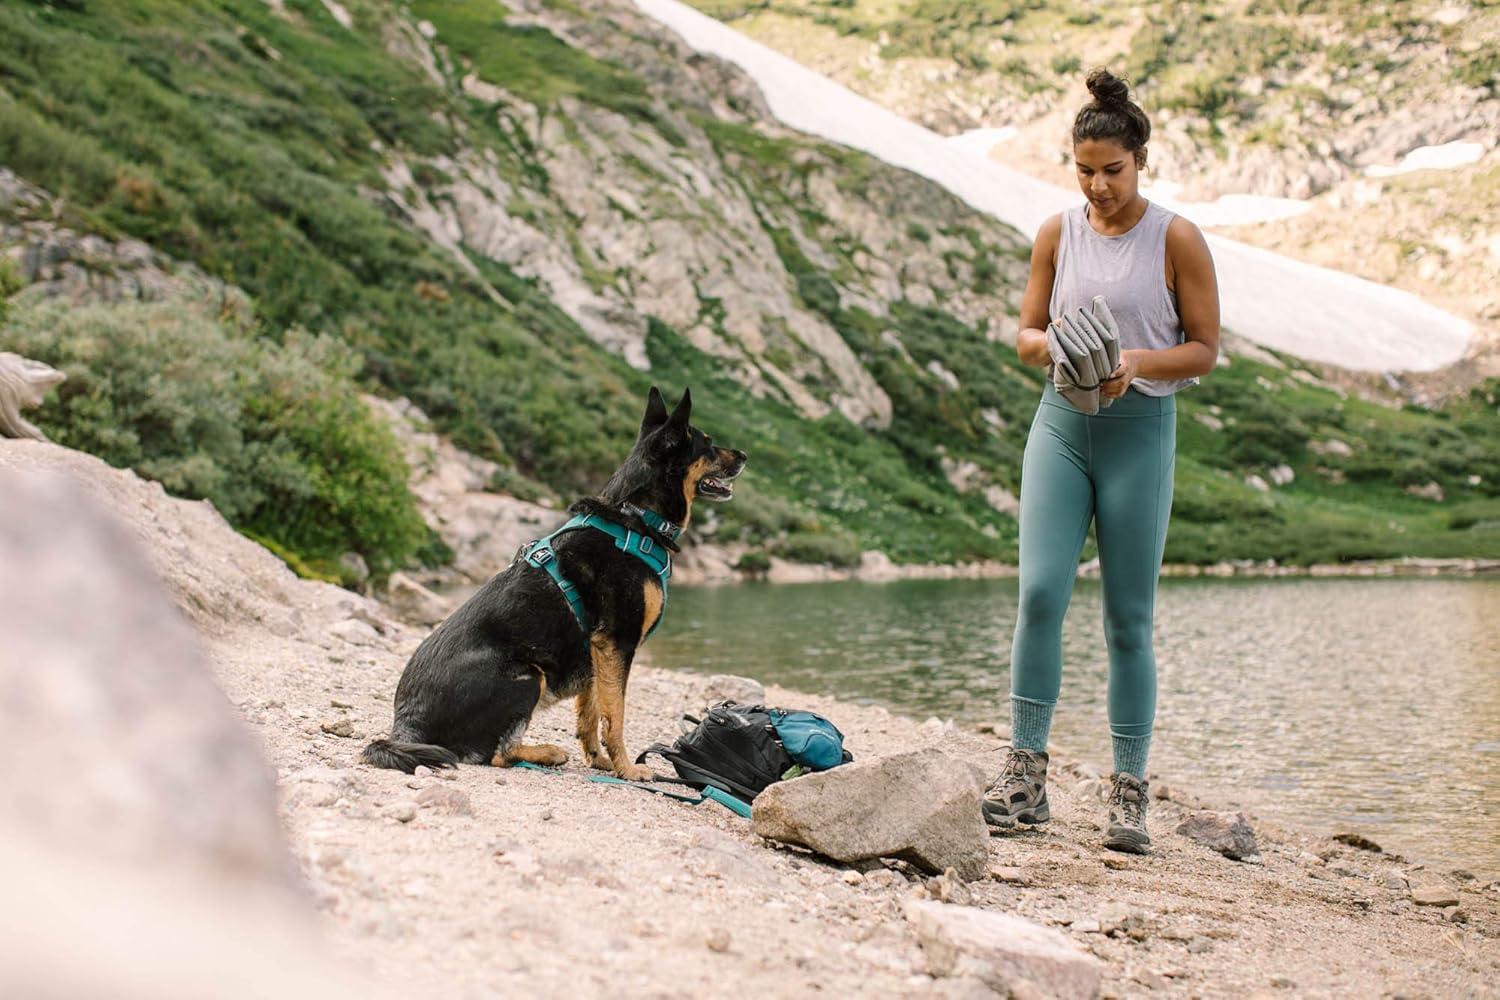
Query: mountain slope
x=522 y=217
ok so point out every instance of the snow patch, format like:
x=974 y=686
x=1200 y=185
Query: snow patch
x=1227 y=210
x=1448 y=156
x=980 y=141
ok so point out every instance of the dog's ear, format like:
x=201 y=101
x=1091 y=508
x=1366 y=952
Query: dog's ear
x=678 y=421
x=656 y=411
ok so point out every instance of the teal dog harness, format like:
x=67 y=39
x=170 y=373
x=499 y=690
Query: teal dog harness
x=542 y=554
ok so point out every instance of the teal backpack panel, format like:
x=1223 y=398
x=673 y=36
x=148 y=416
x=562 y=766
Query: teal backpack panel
x=809 y=739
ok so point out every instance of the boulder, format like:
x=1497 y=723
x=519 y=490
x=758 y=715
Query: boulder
x=1228 y=833
x=140 y=847
x=922 y=806
x=1007 y=953
x=107 y=685
x=728 y=687
x=413 y=602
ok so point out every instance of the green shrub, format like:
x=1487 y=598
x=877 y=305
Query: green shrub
x=275 y=435
x=10 y=284
x=823 y=548
x=754 y=561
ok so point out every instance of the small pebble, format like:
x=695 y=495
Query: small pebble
x=423 y=771
x=1008 y=873
x=402 y=812
x=340 y=704
x=546 y=815
x=1434 y=895
x=1151 y=980
x=718 y=940
x=1199 y=946
x=341 y=727
x=1282 y=983
x=853 y=878
x=1117 y=864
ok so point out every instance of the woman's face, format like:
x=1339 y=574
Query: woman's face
x=1107 y=173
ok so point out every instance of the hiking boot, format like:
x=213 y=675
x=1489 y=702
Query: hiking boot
x=1127 y=815
x=1019 y=794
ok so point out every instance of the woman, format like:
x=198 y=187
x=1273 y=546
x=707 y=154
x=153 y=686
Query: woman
x=1113 y=469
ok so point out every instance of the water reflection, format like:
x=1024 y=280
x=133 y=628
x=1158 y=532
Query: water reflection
x=1321 y=702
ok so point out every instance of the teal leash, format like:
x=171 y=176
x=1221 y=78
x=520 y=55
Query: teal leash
x=709 y=793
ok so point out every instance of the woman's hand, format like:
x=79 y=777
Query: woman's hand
x=1119 y=380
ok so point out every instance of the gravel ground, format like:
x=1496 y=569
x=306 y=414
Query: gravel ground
x=548 y=883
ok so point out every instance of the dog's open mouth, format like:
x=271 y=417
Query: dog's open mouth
x=710 y=488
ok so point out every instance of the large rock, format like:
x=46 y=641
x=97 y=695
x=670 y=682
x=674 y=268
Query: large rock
x=729 y=687
x=414 y=603
x=1009 y=954
x=921 y=806
x=117 y=735
x=140 y=848
x=1228 y=833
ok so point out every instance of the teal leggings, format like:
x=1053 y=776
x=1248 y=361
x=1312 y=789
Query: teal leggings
x=1114 y=469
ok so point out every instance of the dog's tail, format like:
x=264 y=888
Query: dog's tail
x=406 y=756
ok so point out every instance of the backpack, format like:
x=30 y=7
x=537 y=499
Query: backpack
x=741 y=749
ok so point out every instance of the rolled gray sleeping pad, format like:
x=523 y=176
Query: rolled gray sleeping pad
x=1085 y=349
x=1102 y=325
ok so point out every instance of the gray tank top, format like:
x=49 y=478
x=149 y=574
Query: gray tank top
x=1129 y=270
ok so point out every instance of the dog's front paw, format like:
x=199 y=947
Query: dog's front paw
x=635 y=772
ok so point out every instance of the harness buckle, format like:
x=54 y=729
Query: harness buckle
x=541 y=555
x=646 y=544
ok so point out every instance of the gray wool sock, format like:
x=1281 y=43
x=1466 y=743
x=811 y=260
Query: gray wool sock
x=1131 y=753
x=1030 y=724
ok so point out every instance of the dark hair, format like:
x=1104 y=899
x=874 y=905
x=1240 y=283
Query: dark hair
x=1113 y=115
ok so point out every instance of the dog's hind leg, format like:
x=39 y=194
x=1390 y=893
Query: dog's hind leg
x=611 y=671
x=512 y=751
x=588 y=728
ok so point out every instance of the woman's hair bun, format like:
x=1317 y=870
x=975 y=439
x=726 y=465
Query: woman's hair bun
x=1107 y=89
x=1113 y=115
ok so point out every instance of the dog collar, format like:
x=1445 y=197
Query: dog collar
x=654 y=521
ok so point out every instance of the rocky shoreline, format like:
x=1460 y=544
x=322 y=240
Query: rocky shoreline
x=488 y=881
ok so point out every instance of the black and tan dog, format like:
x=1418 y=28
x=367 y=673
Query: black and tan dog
x=469 y=691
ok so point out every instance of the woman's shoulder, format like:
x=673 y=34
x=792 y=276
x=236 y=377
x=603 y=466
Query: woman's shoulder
x=1051 y=229
x=1184 y=236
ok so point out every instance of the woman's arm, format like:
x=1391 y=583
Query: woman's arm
x=1198 y=307
x=1031 y=342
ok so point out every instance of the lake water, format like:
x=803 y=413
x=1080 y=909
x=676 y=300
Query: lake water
x=1369 y=704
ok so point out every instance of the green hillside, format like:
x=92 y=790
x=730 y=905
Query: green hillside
x=258 y=146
